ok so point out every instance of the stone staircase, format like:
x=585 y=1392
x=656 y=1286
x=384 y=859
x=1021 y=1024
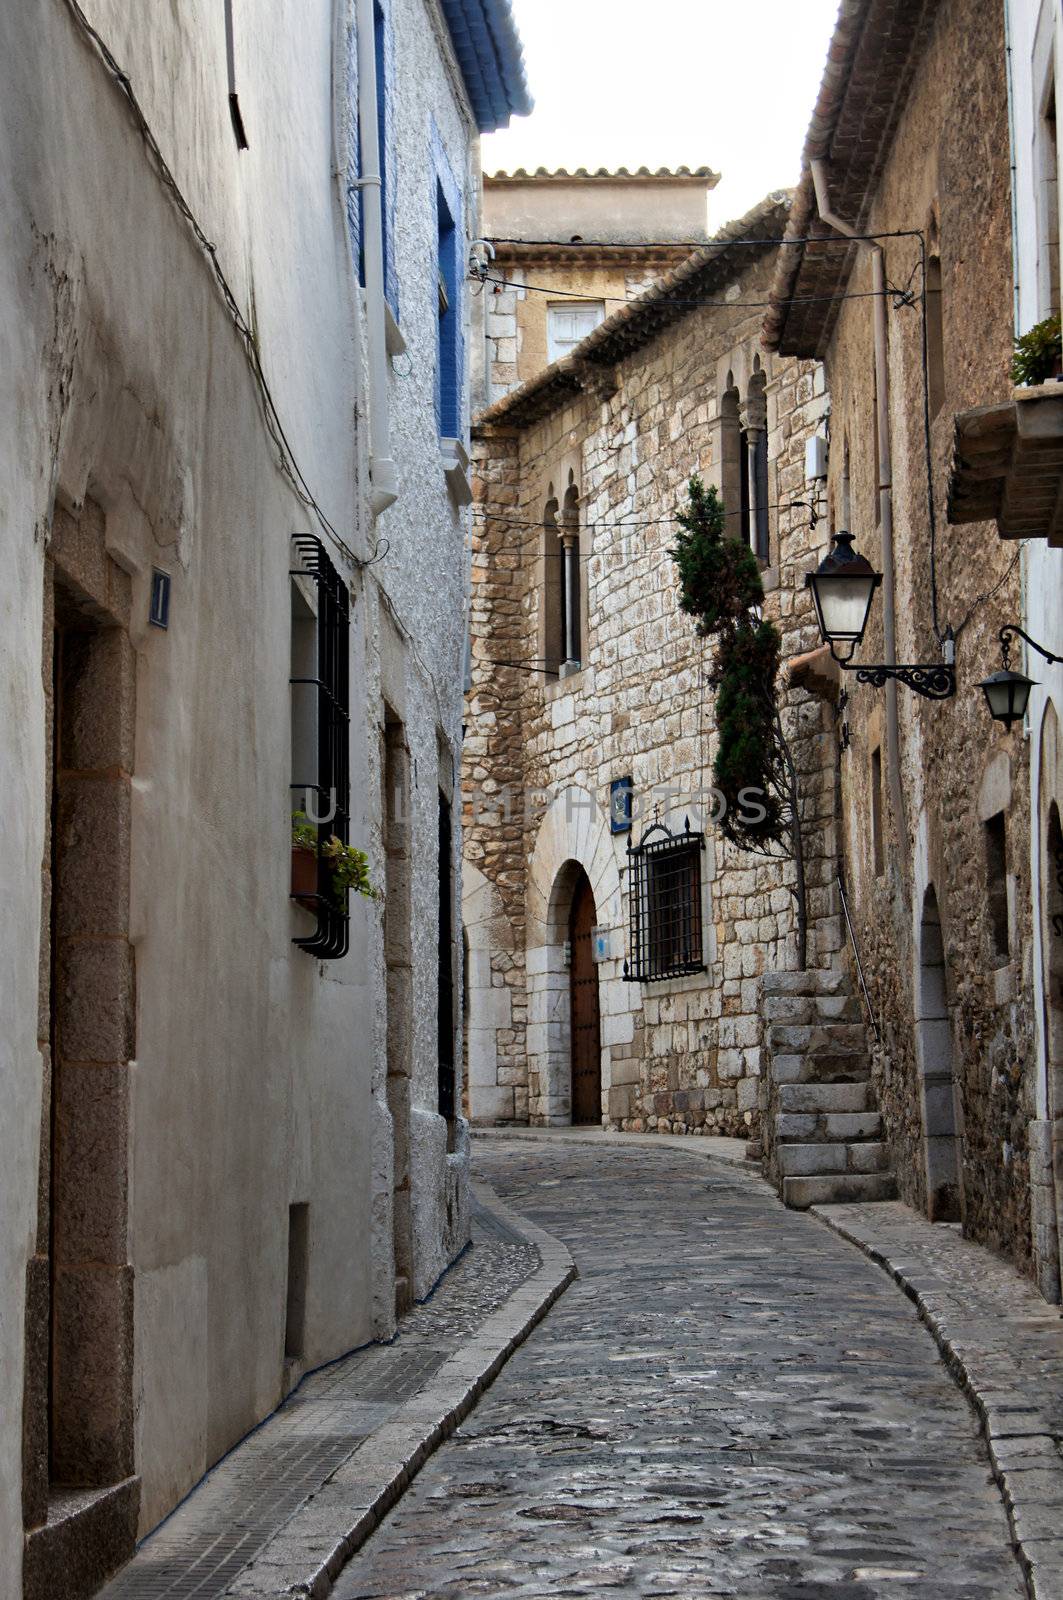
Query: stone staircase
x=821 y=1128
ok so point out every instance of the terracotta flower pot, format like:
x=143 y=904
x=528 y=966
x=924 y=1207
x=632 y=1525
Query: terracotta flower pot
x=304 y=876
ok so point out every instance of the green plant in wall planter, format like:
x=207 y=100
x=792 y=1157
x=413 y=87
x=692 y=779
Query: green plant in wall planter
x=350 y=866
x=350 y=871
x=1038 y=354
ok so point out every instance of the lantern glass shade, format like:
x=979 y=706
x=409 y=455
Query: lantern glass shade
x=1007 y=696
x=843 y=587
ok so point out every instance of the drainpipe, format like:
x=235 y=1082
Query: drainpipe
x=885 y=485
x=382 y=473
x=1010 y=60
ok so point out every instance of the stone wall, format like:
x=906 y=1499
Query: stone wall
x=952 y=1074
x=540 y=751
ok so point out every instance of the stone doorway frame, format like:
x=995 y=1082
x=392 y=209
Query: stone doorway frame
x=78 y=1405
x=573 y=833
x=942 y=1127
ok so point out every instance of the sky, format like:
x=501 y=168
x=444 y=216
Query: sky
x=728 y=84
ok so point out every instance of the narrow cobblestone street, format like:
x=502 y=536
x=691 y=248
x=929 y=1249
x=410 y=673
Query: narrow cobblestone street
x=729 y=1401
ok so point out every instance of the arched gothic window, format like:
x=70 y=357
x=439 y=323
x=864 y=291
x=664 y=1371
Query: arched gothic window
x=744 y=461
x=571 y=577
x=553 y=594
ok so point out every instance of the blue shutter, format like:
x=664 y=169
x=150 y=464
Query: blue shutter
x=384 y=43
x=450 y=351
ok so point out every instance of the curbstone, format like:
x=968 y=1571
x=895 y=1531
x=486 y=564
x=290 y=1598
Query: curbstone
x=305 y=1557
x=1022 y=1441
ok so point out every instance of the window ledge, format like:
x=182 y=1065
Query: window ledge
x=394 y=343
x=564 y=684
x=455 y=460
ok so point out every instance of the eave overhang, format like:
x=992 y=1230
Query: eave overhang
x=873 y=57
x=487 y=45
x=1007 y=465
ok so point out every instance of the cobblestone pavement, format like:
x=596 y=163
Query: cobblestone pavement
x=237 y=1509
x=1005 y=1342
x=730 y=1401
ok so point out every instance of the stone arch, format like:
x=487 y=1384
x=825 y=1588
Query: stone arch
x=573 y=834
x=934 y=1054
x=487 y=934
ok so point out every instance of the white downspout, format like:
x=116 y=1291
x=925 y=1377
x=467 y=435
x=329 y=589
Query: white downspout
x=384 y=480
x=885 y=485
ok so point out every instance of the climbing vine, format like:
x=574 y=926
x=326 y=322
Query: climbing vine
x=720 y=586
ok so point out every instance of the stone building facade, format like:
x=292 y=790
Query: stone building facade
x=585 y=465
x=224 y=1158
x=1007 y=466
x=909 y=144
x=615 y=233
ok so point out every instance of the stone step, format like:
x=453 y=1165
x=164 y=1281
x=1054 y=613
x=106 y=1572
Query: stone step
x=826 y=1097
x=816 y=1160
x=818 y=1067
x=808 y=1038
x=811 y=1008
x=814 y=982
x=845 y=1126
x=838 y=1188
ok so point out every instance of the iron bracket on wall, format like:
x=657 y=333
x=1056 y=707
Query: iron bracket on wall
x=932 y=682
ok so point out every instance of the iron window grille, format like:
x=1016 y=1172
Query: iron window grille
x=330 y=785
x=664 y=905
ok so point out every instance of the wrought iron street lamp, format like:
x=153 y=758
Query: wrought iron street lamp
x=1007 y=693
x=843 y=588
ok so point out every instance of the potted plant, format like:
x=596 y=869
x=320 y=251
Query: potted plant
x=349 y=866
x=1038 y=354
x=350 y=872
x=304 y=860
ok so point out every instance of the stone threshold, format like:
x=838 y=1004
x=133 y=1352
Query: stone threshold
x=307 y=1554
x=1003 y=1344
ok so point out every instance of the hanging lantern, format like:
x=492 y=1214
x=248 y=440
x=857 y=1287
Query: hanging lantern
x=843 y=587
x=1007 y=695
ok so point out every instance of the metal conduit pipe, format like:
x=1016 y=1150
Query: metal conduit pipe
x=384 y=480
x=885 y=483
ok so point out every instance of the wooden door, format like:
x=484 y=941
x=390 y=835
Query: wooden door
x=586 y=1022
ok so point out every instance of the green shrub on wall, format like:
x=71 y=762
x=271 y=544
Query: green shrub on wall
x=720 y=585
x=718 y=575
x=746 y=766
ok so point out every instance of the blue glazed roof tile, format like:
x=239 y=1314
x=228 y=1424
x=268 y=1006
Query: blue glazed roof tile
x=488 y=49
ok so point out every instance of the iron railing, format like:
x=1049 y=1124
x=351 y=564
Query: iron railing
x=331 y=784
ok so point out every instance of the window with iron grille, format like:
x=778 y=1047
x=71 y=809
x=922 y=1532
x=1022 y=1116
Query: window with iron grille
x=321 y=785
x=664 y=904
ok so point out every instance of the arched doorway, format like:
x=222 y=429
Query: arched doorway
x=586 y=1038
x=933 y=1039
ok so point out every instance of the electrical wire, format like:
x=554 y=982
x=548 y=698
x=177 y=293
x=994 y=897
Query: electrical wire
x=622 y=522
x=666 y=299
x=708 y=244
x=286 y=456
x=287 y=460
x=982 y=599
